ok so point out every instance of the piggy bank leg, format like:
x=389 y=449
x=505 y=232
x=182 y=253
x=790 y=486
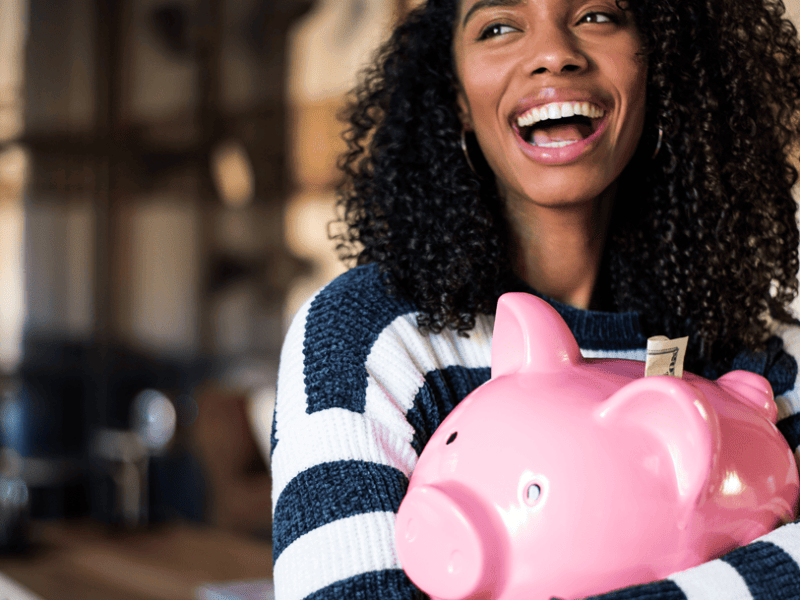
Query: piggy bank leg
x=440 y=543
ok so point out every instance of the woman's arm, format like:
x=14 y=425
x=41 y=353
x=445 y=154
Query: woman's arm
x=766 y=569
x=339 y=475
x=359 y=391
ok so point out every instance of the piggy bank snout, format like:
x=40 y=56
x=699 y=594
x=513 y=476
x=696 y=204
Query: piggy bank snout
x=440 y=542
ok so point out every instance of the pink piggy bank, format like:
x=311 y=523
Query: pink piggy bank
x=564 y=476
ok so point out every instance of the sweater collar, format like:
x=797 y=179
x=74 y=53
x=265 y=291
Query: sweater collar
x=595 y=330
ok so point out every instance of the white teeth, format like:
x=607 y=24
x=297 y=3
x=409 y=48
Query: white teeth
x=559 y=144
x=558 y=110
x=541 y=114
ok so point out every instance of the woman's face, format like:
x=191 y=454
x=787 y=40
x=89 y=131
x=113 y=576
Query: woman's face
x=554 y=91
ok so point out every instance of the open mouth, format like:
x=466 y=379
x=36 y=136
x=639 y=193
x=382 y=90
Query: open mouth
x=559 y=124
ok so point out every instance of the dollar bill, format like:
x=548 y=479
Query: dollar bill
x=665 y=356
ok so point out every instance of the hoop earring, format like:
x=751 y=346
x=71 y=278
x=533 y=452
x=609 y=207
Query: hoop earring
x=658 y=144
x=466 y=150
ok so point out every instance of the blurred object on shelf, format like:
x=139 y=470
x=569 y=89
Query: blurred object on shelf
x=153 y=419
x=307 y=219
x=13 y=16
x=233 y=175
x=260 y=413
x=316 y=143
x=237 y=476
x=36 y=472
x=327 y=49
x=14 y=167
x=146 y=474
x=126 y=454
x=15 y=506
x=124 y=458
x=258 y=589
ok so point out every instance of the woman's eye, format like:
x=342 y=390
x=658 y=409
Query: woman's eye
x=495 y=30
x=598 y=17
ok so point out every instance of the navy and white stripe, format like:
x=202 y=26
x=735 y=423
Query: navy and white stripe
x=360 y=392
x=343 y=446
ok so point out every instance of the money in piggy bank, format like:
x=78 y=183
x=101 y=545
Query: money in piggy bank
x=563 y=476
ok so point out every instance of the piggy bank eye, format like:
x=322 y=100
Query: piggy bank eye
x=452 y=438
x=533 y=490
x=533 y=493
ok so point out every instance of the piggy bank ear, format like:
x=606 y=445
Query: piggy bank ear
x=679 y=419
x=530 y=336
x=753 y=390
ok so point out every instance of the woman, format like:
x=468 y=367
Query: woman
x=629 y=161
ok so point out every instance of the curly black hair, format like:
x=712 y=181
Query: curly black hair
x=703 y=240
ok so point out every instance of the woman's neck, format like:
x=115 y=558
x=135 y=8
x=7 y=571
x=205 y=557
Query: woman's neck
x=558 y=250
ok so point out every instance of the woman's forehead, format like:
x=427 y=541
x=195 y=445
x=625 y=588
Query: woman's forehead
x=466 y=6
x=465 y=9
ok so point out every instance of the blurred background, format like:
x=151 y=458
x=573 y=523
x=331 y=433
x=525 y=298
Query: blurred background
x=166 y=180
x=167 y=170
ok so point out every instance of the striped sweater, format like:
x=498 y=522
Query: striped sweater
x=361 y=390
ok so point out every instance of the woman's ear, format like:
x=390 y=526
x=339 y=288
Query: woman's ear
x=464 y=112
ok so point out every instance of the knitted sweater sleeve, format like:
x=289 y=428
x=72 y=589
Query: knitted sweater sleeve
x=339 y=473
x=355 y=404
x=769 y=567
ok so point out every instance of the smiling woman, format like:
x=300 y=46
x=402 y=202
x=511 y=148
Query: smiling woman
x=627 y=160
x=519 y=66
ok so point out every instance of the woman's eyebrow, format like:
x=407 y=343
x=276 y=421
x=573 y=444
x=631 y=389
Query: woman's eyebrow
x=486 y=4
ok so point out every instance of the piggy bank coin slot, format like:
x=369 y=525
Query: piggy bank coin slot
x=452 y=438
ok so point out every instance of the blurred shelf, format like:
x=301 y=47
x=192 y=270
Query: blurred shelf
x=88 y=560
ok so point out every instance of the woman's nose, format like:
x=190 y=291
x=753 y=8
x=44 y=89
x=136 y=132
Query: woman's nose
x=554 y=50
